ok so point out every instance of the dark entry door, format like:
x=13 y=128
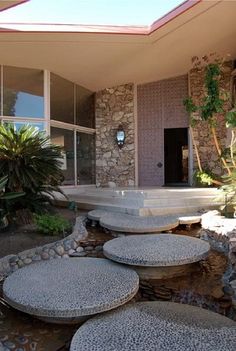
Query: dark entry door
x=176 y=156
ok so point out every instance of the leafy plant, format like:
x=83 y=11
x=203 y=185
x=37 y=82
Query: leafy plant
x=4 y=201
x=228 y=193
x=210 y=105
x=31 y=163
x=52 y=224
x=204 y=178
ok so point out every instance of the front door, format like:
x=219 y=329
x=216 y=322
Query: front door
x=176 y=156
x=162 y=132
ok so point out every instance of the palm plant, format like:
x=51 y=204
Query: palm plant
x=31 y=163
x=4 y=201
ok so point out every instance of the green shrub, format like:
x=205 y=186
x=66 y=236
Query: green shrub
x=5 y=201
x=32 y=165
x=204 y=178
x=52 y=224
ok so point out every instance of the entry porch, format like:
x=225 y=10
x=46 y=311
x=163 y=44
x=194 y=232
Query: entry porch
x=145 y=201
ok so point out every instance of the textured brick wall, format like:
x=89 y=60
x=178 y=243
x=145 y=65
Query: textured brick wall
x=202 y=132
x=115 y=106
x=160 y=105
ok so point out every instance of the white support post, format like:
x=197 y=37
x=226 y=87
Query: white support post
x=1 y=87
x=136 y=134
x=47 y=100
x=75 y=158
x=190 y=147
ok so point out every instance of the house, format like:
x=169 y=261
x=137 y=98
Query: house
x=82 y=84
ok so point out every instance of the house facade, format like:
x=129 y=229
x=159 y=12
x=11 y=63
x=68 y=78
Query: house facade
x=82 y=84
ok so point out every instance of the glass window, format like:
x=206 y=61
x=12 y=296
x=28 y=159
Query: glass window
x=85 y=158
x=0 y=92
x=85 y=115
x=40 y=125
x=23 y=92
x=62 y=99
x=65 y=138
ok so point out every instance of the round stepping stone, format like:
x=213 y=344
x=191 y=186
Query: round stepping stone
x=190 y=219
x=156 y=326
x=170 y=254
x=134 y=224
x=69 y=290
x=95 y=215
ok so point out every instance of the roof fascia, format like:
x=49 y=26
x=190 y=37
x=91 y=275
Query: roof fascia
x=20 y=2
x=99 y=29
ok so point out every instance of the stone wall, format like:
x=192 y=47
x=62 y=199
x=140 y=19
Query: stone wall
x=202 y=133
x=115 y=106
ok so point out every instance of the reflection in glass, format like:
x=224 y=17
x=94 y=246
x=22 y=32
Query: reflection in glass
x=85 y=115
x=65 y=138
x=40 y=125
x=62 y=99
x=0 y=92
x=23 y=92
x=85 y=158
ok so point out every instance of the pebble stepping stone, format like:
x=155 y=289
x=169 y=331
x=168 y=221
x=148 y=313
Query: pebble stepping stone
x=189 y=219
x=157 y=256
x=70 y=290
x=156 y=326
x=156 y=250
x=95 y=215
x=134 y=224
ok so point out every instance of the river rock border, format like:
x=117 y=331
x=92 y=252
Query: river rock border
x=59 y=249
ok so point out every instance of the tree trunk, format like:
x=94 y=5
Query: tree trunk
x=196 y=149
x=218 y=149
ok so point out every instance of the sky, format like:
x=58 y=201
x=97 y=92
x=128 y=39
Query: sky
x=113 y=12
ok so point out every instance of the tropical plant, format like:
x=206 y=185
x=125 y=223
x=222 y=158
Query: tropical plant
x=203 y=178
x=52 y=224
x=5 y=198
x=208 y=108
x=31 y=163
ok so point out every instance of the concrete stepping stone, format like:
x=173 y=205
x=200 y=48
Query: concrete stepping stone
x=189 y=219
x=134 y=224
x=70 y=290
x=159 y=326
x=95 y=215
x=157 y=256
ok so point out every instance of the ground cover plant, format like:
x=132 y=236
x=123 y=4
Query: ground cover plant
x=49 y=224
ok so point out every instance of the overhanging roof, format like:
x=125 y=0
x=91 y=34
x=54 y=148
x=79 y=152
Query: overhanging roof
x=101 y=56
x=4 y=5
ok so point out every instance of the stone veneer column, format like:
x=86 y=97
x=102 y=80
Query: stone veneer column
x=115 y=106
x=203 y=136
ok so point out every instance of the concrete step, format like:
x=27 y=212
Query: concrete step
x=147 y=202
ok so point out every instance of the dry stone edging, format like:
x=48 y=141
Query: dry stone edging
x=60 y=249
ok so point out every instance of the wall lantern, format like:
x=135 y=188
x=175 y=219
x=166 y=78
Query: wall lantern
x=120 y=136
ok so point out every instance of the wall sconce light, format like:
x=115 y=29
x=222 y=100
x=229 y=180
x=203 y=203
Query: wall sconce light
x=120 y=136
